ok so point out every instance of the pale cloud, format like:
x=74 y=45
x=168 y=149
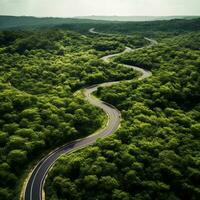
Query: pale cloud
x=68 y=8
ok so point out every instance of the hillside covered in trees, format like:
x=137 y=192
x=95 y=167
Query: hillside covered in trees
x=39 y=106
x=155 y=153
x=175 y=25
x=45 y=64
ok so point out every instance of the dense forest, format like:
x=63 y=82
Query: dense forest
x=82 y=25
x=155 y=153
x=41 y=72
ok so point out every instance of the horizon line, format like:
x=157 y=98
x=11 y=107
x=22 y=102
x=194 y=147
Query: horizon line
x=100 y=16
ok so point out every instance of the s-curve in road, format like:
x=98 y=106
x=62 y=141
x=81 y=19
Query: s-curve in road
x=34 y=186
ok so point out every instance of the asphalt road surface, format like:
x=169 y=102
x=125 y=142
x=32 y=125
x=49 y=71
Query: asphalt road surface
x=34 y=186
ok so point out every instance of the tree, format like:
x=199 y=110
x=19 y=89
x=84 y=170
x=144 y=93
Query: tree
x=65 y=188
x=90 y=181
x=195 y=128
x=108 y=183
x=3 y=138
x=26 y=133
x=17 y=158
x=120 y=195
x=16 y=142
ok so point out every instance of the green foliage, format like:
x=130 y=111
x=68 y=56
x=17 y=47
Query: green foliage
x=155 y=153
x=174 y=26
x=40 y=70
x=104 y=46
x=17 y=158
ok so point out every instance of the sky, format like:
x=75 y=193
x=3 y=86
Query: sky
x=71 y=8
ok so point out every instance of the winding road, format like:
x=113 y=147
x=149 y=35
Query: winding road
x=34 y=185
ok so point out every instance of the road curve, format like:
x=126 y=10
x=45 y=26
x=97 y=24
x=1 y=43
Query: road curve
x=34 y=186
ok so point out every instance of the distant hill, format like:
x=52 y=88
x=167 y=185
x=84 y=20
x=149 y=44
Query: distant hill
x=135 y=18
x=32 y=22
x=173 y=25
x=21 y=22
x=82 y=25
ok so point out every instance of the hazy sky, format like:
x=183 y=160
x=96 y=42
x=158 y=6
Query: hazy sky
x=68 y=8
